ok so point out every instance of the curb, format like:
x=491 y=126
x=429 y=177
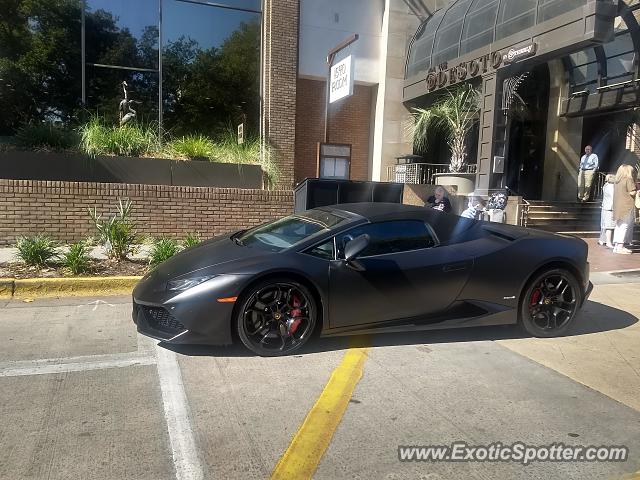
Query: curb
x=66 y=287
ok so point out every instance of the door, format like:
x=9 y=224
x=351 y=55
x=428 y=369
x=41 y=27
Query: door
x=405 y=275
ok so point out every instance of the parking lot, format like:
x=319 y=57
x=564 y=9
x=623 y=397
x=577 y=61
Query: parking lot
x=83 y=396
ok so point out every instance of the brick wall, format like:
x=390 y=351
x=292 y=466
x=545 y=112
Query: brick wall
x=349 y=123
x=280 y=70
x=59 y=209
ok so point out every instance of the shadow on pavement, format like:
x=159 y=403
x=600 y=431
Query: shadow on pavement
x=593 y=318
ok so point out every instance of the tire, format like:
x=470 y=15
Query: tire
x=276 y=317
x=550 y=302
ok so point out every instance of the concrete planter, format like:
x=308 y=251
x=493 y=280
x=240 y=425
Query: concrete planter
x=465 y=182
x=72 y=167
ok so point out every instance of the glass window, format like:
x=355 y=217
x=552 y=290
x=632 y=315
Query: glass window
x=105 y=93
x=211 y=69
x=514 y=16
x=447 y=38
x=389 y=237
x=40 y=63
x=288 y=231
x=324 y=251
x=479 y=25
x=420 y=56
x=254 y=5
x=122 y=32
x=549 y=9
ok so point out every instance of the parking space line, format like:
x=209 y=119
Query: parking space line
x=73 y=364
x=183 y=446
x=312 y=439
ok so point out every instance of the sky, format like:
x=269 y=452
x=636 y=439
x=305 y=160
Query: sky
x=209 y=26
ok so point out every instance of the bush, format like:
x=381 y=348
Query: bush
x=116 y=234
x=134 y=140
x=37 y=250
x=46 y=136
x=162 y=249
x=77 y=259
x=191 y=240
x=192 y=147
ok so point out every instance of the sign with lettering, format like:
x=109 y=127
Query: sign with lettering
x=341 y=81
x=445 y=75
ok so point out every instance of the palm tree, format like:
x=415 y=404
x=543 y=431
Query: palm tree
x=453 y=116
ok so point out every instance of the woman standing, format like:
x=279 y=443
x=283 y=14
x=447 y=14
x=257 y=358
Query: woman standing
x=607 y=223
x=623 y=207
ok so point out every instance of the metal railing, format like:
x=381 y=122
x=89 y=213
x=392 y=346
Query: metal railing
x=421 y=173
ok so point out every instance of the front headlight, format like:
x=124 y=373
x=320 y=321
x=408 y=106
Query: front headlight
x=186 y=283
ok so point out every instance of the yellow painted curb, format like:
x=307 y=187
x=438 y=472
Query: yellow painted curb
x=72 y=287
x=301 y=459
x=6 y=287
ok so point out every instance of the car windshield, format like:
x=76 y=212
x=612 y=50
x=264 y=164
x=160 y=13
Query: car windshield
x=289 y=231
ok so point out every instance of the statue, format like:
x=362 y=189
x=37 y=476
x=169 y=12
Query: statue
x=127 y=113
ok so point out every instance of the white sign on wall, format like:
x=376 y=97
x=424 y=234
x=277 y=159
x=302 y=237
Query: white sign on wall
x=341 y=80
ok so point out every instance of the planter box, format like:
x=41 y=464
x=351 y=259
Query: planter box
x=466 y=182
x=19 y=165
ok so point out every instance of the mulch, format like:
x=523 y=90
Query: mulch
x=98 y=268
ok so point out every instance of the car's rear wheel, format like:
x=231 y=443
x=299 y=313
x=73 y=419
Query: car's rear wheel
x=276 y=317
x=550 y=303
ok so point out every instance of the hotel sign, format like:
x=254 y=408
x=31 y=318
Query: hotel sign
x=445 y=75
x=341 y=80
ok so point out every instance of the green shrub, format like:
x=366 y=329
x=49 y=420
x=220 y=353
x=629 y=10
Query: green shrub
x=116 y=234
x=191 y=240
x=46 y=136
x=162 y=249
x=193 y=147
x=133 y=140
x=37 y=250
x=77 y=259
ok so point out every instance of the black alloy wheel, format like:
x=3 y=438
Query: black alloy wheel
x=550 y=303
x=276 y=317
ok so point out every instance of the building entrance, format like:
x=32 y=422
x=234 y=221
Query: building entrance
x=527 y=119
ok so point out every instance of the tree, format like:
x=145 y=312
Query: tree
x=452 y=115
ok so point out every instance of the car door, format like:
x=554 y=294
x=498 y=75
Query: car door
x=405 y=274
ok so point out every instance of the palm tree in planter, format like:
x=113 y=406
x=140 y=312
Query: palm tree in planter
x=452 y=115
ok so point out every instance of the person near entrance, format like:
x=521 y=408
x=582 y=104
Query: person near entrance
x=624 y=210
x=586 y=173
x=439 y=200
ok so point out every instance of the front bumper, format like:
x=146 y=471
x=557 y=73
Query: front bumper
x=190 y=317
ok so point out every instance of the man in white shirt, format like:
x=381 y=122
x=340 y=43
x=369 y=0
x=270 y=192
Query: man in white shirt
x=586 y=173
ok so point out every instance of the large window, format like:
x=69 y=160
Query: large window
x=478 y=25
x=206 y=79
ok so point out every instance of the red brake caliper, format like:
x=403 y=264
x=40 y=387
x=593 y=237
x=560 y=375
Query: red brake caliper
x=295 y=312
x=535 y=297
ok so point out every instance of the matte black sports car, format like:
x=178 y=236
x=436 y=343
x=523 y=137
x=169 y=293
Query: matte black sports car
x=362 y=268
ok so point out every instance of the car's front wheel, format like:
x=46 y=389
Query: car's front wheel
x=550 y=303
x=276 y=317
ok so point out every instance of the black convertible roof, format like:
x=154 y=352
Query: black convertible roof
x=447 y=226
x=377 y=210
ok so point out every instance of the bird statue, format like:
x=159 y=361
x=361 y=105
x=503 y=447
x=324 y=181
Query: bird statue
x=126 y=111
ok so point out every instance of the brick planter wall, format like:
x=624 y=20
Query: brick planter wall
x=59 y=209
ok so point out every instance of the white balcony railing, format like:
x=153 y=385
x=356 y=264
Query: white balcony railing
x=421 y=173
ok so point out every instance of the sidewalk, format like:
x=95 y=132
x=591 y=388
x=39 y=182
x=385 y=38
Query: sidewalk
x=602 y=259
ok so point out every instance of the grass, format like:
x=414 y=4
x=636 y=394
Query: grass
x=46 y=136
x=96 y=138
x=77 y=259
x=162 y=249
x=37 y=250
x=191 y=240
x=191 y=147
x=117 y=234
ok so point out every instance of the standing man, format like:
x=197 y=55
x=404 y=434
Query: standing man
x=586 y=173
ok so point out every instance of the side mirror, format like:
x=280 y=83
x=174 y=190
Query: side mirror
x=355 y=247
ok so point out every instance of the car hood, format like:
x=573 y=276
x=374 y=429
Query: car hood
x=211 y=257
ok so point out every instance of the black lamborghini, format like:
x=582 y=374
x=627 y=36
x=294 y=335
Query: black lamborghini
x=362 y=268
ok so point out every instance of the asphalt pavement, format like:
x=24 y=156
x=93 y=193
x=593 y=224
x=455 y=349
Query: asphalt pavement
x=83 y=396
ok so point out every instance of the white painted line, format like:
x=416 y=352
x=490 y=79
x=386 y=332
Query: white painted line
x=174 y=399
x=62 y=365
